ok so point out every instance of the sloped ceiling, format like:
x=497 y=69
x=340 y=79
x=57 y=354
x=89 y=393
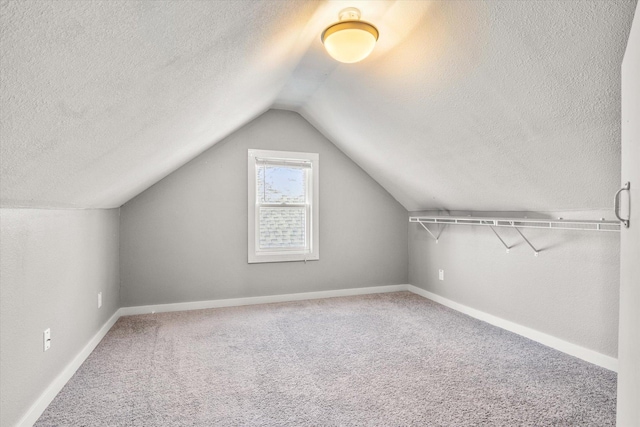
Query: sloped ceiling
x=101 y=99
x=466 y=105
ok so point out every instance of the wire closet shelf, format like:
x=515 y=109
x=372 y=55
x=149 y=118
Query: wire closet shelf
x=558 y=224
x=515 y=223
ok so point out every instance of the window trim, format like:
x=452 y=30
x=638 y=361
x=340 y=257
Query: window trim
x=313 y=229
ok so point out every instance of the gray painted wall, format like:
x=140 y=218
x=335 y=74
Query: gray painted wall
x=185 y=238
x=569 y=291
x=53 y=263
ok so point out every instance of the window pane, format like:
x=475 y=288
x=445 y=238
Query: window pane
x=281 y=184
x=282 y=228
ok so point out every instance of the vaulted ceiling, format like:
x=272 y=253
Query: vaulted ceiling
x=465 y=105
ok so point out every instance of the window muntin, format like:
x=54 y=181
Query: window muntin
x=283 y=206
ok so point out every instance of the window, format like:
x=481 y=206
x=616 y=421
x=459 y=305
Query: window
x=283 y=206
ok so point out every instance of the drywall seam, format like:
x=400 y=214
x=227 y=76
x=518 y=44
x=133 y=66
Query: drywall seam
x=571 y=349
x=234 y=302
x=54 y=388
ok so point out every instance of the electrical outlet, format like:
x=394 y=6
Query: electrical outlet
x=99 y=299
x=46 y=339
x=441 y=274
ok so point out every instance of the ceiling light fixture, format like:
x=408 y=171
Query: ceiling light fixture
x=349 y=40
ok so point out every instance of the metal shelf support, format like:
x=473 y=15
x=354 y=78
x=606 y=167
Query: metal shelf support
x=535 y=251
x=436 y=238
x=499 y=238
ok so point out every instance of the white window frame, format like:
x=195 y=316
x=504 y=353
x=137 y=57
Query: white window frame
x=312 y=232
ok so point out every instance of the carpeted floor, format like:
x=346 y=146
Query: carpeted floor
x=376 y=360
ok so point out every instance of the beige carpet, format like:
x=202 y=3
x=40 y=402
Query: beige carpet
x=377 y=360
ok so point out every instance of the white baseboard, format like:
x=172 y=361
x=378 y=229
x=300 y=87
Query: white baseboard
x=36 y=410
x=54 y=388
x=586 y=354
x=234 y=302
x=575 y=350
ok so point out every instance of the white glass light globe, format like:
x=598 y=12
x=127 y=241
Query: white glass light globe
x=349 y=40
x=350 y=45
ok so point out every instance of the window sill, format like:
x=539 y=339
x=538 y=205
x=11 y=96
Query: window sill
x=262 y=258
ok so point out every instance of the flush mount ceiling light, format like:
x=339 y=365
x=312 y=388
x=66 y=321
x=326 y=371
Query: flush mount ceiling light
x=349 y=40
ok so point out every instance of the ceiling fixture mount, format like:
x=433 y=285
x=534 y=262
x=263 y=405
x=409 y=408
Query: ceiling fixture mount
x=349 y=40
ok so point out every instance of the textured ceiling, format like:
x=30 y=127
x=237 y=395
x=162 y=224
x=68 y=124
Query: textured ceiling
x=468 y=105
x=101 y=99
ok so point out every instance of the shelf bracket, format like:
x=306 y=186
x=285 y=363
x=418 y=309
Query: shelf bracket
x=499 y=238
x=429 y=231
x=535 y=251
